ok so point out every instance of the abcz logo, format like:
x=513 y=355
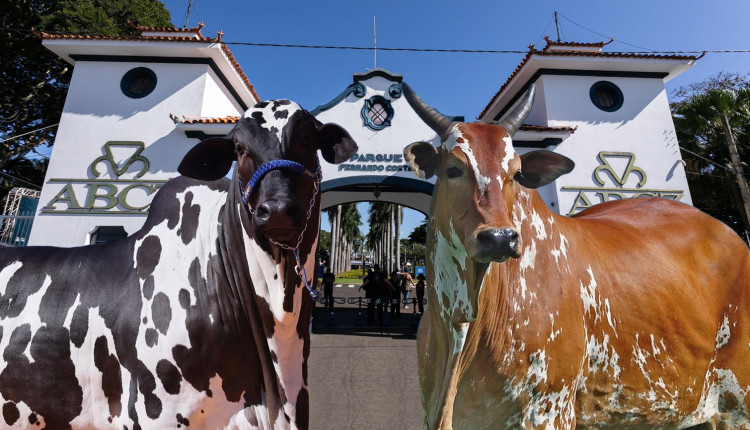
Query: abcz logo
x=588 y=196
x=115 y=196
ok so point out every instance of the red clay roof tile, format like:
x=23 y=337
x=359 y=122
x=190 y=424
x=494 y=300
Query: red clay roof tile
x=533 y=52
x=195 y=30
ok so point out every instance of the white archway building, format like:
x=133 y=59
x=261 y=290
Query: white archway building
x=136 y=105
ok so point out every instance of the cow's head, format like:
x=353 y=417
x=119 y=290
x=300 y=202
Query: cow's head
x=479 y=178
x=273 y=130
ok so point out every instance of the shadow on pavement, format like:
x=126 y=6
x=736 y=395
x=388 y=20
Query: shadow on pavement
x=349 y=321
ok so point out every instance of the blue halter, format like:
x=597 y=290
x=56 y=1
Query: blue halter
x=316 y=177
x=279 y=164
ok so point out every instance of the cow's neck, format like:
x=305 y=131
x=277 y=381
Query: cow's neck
x=263 y=277
x=511 y=294
x=450 y=274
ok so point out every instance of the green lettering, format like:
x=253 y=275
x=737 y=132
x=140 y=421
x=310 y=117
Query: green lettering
x=122 y=197
x=581 y=202
x=66 y=195
x=109 y=196
x=606 y=195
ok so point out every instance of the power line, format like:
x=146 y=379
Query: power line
x=544 y=32
x=370 y=48
x=20 y=180
x=475 y=51
x=602 y=35
x=706 y=159
x=469 y=51
x=30 y=132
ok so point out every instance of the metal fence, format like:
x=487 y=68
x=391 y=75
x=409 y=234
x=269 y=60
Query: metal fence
x=15 y=230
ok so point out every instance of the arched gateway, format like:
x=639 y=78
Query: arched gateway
x=111 y=157
x=382 y=122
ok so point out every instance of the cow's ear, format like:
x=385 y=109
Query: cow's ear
x=423 y=159
x=335 y=143
x=209 y=160
x=539 y=168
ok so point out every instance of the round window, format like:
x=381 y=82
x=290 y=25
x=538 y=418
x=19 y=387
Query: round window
x=138 y=82
x=377 y=112
x=606 y=96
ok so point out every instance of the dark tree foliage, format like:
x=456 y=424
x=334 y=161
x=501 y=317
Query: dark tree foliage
x=696 y=116
x=22 y=172
x=324 y=247
x=34 y=80
x=419 y=234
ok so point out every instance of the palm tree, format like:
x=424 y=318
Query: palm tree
x=345 y=222
x=707 y=125
x=350 y=222
x=385 y=229
x=332 y=213
x=379 y=215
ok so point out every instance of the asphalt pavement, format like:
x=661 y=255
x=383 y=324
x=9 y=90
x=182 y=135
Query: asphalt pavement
x=363 y=376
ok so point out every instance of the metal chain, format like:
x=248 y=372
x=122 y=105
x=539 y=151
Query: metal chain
x=299 y=268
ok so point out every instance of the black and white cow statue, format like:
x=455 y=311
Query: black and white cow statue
x=201 y=318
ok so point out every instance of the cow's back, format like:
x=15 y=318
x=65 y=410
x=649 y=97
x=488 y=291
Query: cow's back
x=664 y=288
x=126 y=333
x=46 y=295
x=632 y=310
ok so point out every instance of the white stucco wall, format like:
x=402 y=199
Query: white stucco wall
x=406 y=128
x=642 y=127
x=96 y=112
x=217 y=100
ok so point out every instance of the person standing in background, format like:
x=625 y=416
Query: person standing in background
x=406 y=283
x=420 y=292
x=328 y=280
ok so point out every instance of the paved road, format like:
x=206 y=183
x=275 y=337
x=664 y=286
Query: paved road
x=361 y=378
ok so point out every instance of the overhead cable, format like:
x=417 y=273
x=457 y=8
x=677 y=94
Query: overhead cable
x=29 y=132
x=706 y=159
x=20 y=180
x=469 y=51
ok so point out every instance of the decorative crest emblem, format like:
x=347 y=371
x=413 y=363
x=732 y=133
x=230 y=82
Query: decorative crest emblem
x=629 y=169
x=109 y=158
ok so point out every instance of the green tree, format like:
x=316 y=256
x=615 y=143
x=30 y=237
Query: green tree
x=22 y=171
x=34 y=80
x=379 y=219
x=419 y=234
x=697 y=118
x=324 y=247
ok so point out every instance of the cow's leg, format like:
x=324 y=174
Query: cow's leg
x=729 y=388
x=438 y=352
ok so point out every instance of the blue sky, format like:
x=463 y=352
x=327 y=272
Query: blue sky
x=454 y=83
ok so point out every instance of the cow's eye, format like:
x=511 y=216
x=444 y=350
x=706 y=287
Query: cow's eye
x=518 y=176
x=453 y=172
x=239 y=149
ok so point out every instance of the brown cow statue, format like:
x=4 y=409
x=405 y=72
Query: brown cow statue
x=632 y=314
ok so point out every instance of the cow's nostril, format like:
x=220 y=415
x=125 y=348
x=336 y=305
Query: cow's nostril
x=497 y=244
x=487 y=239
x=262 y=213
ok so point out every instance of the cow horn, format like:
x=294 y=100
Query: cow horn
x=512 y=122
x=437 y=121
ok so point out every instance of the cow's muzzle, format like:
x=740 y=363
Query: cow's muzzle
x=497 y=244
x=278 y=219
